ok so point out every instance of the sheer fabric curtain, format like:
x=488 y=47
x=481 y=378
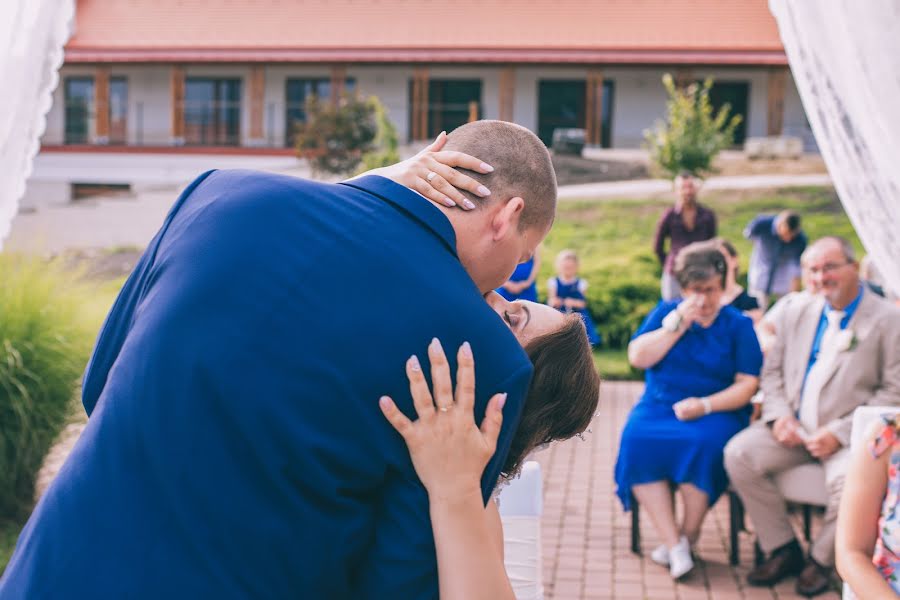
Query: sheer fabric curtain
x=32 y=36
x=845 y=59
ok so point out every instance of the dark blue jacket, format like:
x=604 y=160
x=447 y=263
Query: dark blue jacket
x=235 y=448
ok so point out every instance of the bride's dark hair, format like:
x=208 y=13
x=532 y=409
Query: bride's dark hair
x=564 y=392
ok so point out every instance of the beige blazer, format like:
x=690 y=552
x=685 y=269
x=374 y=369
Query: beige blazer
x=866 y=373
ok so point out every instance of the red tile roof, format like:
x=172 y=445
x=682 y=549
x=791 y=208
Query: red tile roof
x=559 y=31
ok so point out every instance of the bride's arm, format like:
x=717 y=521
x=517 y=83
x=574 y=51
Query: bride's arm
x=449 y=453
x=441 y=186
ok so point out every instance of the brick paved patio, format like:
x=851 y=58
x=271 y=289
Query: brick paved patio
x=586 y=535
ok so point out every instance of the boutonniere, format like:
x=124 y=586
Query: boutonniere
x=846 y=340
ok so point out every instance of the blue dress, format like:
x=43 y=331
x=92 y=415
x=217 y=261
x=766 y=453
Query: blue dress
x=572 y=290
x=655 y=445
x=522 y=272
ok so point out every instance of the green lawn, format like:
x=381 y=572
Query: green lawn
x=613 y=364
x=614 y=241
x=615 y=237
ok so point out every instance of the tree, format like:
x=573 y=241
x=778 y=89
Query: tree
x=692 y=135
x=336 y=137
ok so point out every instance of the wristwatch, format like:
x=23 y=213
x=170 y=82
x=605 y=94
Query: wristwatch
x=672 y=321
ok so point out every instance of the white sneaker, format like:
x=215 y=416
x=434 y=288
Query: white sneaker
x=660 y=555
x=680 y=561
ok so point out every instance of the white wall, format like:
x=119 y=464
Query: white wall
x=638 y=101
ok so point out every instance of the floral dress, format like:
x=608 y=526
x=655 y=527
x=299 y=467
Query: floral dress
x=886 y=558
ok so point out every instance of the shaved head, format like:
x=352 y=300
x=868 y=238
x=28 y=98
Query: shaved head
x=522 y=167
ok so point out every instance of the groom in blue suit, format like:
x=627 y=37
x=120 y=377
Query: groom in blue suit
x=235 y=448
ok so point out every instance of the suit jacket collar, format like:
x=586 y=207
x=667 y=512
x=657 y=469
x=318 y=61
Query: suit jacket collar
x=408 y=201
x=808 y=325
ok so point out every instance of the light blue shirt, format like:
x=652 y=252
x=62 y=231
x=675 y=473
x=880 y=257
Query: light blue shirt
x=823 y=324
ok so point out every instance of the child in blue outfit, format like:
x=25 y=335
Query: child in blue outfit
x=566 y=292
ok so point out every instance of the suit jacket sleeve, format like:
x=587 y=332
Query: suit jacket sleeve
x=119 y=320
x=888 y=392
x=401 y=562
x=775 y=401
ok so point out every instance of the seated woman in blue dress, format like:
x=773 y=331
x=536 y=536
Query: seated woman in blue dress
x=702 y=365
x=521 y=284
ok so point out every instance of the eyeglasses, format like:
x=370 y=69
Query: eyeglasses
x=826 y=268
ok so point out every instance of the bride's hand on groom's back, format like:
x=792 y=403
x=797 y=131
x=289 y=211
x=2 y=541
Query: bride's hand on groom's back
x=449 y=452
x=431 y=173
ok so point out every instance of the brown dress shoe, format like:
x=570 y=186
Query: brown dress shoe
x=813 y=580
x=784 y=562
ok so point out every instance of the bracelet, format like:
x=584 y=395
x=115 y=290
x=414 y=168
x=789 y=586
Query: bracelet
x=707 y=405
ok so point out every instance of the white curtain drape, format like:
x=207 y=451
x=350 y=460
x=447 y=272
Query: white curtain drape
x=32 y=36
x=845 y=59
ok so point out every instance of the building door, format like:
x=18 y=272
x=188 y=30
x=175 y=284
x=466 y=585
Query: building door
x=451 y=103
x=118 y=110
x=79 y=99
x=212 y=111
x=736 y=94
x=561 y=104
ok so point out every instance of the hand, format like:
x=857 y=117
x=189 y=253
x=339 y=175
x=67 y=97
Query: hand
x=513 y=287
x=448 y=450
x=787 y=431
x=822 y=444
x=442 y=189
x=689 y=409
x=556 y=302
x=690 y=311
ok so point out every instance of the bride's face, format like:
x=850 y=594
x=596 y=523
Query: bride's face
x=527 y=320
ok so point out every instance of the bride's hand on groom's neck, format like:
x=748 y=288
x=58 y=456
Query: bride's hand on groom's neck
x=432 y=173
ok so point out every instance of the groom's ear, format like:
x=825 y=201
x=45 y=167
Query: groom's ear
x=506 y=219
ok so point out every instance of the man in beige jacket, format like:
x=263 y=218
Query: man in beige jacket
x=836 y=350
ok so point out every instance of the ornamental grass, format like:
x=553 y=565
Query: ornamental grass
x=45 y=341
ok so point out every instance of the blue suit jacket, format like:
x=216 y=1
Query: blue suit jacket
x=235 y=448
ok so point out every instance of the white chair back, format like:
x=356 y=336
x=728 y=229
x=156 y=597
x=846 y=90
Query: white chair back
x=521 y=506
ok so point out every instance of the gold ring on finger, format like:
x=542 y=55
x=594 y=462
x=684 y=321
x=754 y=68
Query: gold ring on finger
x=431 y=175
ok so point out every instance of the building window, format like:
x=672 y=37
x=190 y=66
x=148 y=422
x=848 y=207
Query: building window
x=212 y=111
x=79 y=111
x=118 y=110
x=735 y=94
x=297 y=91
x=561 y=105
x=451 y=103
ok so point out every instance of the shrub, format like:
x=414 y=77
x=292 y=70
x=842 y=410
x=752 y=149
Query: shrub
x=336 y=138
x=692 y=135
x=386 y=142
x=44 y=346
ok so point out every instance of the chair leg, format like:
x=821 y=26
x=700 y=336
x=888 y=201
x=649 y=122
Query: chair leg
x=635 y=526
x=736 y=518
x=807 y=522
